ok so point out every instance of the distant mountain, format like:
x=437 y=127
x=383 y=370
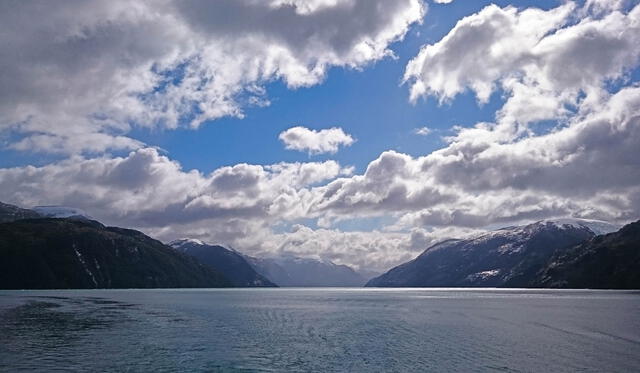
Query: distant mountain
x=69 y=253
x=508 y=257
x=368 y=274
x=228 y=262
x=10 y=213
x=610 y=261
x=303 y=272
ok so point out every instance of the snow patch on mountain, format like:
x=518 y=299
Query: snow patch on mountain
x=179 y=243
x=61 y=212
x=483 y=275
x=596 y=226
x=515 y=237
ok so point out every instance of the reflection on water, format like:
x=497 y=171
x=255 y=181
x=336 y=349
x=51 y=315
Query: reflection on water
x=320 y=330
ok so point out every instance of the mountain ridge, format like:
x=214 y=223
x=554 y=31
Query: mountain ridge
x=58 y=253
x=507 y=257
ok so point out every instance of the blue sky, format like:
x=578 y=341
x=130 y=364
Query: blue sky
x=369 y=103
x=97 y=112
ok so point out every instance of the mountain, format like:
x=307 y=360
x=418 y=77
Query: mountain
x=303 y=272
x=70 y=253
x=228 y=262
x=10 y=213
x=508 y=257
x=609 y=261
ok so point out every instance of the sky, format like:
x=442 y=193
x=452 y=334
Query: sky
x=356 y=131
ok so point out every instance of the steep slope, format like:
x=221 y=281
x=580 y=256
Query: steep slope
x=508 y=257
x=228 y=262
x=610 y=261
x=68 y=253
x=10 y=213
x=293 y=271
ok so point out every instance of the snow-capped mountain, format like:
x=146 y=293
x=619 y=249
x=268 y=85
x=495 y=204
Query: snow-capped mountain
x=505 y=257
x=62 y=212
x=229 y=262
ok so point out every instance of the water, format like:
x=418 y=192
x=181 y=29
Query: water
x=320 y=330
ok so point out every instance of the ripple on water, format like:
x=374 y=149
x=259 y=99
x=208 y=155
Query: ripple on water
x=320 y=330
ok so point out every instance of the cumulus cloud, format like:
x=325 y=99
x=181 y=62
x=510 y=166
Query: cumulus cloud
x=315 y=142
x=543 y=61
x=76 y=75
x=588 y=168
x=146 y=188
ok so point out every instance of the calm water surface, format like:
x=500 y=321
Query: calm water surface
x=320 y=330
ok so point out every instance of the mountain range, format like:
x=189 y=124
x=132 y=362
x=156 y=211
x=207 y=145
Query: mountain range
x=61 y=247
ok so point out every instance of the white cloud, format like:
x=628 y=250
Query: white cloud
x=315 y=142
x=588 y=168
x=422 y=131
x=146 y=188
x=76 y=76
x=442 y=1
x=542 y=60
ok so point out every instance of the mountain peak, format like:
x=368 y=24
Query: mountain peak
x=505 y=257
x=176 y=244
